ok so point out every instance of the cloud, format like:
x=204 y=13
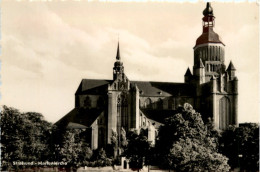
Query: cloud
x=49 y=48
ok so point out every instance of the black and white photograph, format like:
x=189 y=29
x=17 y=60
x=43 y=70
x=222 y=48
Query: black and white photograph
x=129 y=85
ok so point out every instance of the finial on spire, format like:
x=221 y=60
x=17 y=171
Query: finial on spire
x=118 y=52
x=208 y=10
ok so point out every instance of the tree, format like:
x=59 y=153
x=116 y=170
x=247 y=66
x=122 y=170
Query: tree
x=114 y=143
x=36 y=135
x=24 y=137
x=241 y=146
x=185 y=143
x=100 y=159
x=123 y=140
x=137 y=149
x=74 y=150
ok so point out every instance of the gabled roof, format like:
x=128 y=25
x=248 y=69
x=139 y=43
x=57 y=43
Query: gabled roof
x=148 y=88
x=93 y=86
x=80 y=116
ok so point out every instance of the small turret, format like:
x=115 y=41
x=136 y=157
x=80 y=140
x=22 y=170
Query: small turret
x=118 y=53
x=235 y=87
x=187 y=76
x=231 y=70
x=199 y=72
x=118 y=65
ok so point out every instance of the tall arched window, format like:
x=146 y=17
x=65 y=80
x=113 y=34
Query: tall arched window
x=122 y=113
x=224 y=113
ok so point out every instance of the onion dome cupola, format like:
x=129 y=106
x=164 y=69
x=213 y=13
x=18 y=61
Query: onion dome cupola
x=209 y=46
x=208 y=35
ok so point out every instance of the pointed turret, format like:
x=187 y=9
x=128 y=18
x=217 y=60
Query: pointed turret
x=231 y=66
x=188 y=76
x=231 y=70
x=118 y=65
x=199 y=72
x=118 y=52
x=188 y=72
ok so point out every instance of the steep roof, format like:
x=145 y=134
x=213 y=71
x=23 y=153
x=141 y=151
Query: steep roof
x=148 y=88
x=209 y=37
x=188 y=72
x=93 y=86
x=231 y=66
x=80 y=116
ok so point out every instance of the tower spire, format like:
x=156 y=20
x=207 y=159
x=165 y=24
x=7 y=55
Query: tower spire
x=118 y=65
x=118 y=52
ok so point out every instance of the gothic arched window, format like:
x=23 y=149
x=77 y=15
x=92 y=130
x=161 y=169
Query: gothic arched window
x=122 y=112
x=224 y=113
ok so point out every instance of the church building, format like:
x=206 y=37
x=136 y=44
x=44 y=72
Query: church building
x=104 y=106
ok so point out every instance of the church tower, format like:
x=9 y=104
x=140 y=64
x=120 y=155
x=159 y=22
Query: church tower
x=216 y=86
x=118 y=70
x=123 y=102
x=209 y=52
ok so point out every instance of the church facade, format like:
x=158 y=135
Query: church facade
x=104 y=106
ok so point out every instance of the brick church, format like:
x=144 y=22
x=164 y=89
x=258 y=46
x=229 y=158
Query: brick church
x=103 y=106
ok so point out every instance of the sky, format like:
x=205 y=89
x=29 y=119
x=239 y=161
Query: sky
x=47 y=48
